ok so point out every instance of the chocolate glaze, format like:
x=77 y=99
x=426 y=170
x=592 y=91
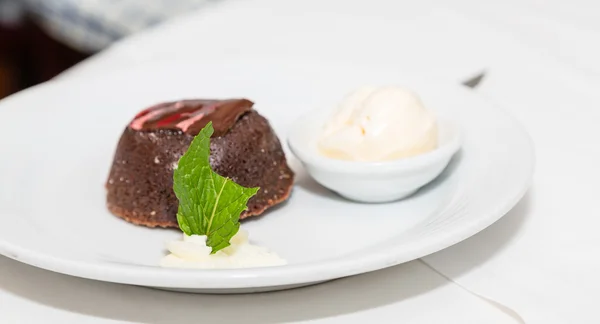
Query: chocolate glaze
x=190 y=116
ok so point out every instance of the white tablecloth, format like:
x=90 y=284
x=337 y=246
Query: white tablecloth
x=536 y=265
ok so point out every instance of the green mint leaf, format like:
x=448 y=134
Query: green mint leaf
x=209 y=204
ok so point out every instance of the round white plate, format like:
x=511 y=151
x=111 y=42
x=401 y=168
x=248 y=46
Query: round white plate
x=59 y=139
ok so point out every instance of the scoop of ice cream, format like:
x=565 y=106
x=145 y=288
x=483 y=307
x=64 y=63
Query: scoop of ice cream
x=379 y=124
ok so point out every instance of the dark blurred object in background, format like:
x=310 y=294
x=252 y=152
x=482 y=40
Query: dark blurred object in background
x=77 y=28
x=29 y=56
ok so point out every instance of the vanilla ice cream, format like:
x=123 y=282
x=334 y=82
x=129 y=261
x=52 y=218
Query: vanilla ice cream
x=379 y=124
x=192 y=253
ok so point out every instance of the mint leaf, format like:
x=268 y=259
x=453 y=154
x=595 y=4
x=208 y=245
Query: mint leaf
x=209 y=204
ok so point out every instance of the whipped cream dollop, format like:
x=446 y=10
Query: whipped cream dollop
x=379 y=124
x=192 y=253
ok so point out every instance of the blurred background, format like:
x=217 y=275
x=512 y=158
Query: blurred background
x=28 y=54
x=41 y=38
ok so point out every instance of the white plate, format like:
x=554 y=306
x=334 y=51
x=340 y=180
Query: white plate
x=58 y=141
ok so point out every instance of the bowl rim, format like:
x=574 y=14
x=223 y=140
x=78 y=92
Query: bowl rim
x=440 y=154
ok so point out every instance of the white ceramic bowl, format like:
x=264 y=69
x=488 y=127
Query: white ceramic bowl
x=371 y=182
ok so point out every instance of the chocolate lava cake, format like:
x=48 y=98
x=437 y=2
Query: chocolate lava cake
x=243 y=147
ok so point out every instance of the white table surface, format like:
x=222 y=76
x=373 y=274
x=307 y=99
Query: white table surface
x=541 y=62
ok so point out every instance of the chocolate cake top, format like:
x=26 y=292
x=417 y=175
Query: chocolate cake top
x=190 y=116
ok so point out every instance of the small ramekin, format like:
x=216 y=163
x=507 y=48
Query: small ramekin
x=371 y=182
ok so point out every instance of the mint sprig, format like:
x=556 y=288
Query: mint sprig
x=209 y=204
